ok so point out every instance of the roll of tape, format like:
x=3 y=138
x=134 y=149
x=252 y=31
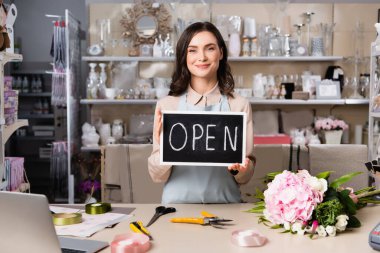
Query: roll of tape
x=248 y=238
x=98 y=208
x=63 y=219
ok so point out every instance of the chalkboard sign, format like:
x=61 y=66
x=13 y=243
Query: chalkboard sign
x=203 y=138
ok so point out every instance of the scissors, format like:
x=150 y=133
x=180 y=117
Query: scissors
x=161 y=210
x=207 y=219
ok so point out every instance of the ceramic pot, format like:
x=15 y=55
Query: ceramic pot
x=333 y=136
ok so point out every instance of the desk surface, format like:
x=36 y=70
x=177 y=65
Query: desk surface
x=176 y=237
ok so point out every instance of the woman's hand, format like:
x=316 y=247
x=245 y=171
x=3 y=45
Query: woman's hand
x=237 y=167
x=158 y=125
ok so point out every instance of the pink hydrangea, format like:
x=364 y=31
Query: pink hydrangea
x=290 y=198
x=330 y=124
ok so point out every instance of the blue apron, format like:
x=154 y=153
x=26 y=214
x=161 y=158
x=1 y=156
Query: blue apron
x=201 y=184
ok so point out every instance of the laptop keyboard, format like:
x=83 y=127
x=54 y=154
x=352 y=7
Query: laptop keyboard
x=72 y=251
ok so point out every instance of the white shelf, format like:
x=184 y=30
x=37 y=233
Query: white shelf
x=7 y=57
x=232 y=59
x=127 y=58
x=10 y=129
x=251 y=100
x=118 y=101
x=296 y=102
x=374 y=114
x=288 y=59
x=364 y=101
x=92 y=149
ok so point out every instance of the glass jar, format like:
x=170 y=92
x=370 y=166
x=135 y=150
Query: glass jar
x=117 y=129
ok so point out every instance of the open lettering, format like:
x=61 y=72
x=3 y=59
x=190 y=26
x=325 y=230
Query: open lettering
x=202 y=135
x=207 y=138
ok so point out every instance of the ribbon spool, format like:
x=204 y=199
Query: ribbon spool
x=130 y=243
x=63 y=219
x=248 y=238
x=98 y=208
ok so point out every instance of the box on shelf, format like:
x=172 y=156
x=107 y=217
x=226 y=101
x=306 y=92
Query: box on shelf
x=43 y=133
x=10 y=106
x=8 y=83
x=42 y=128
x=14 y=172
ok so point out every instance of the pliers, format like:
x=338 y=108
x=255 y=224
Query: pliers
x=208 y=219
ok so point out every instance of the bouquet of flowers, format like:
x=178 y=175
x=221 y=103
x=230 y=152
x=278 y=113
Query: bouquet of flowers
x=328 y=124
x=305 y=204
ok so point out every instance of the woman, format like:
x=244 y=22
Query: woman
x=202 y=81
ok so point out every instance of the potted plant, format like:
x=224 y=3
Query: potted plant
x=331 y=129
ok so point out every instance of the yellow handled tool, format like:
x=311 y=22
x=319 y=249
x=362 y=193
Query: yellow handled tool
x=189 y=220
x=138 y=227
x=208 y=219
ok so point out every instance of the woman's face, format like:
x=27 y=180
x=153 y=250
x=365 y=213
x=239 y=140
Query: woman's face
x=203 y=55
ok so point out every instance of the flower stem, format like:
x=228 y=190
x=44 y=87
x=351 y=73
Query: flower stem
x=366 y=194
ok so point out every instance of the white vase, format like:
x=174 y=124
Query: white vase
x=234 y=45
x=333 y=136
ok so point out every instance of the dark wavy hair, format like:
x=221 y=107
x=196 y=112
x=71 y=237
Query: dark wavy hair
x=181 y=76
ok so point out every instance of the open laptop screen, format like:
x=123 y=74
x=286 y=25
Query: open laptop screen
x=26 y=223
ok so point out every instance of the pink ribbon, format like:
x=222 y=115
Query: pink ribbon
x=248 y=238
x=130 y=243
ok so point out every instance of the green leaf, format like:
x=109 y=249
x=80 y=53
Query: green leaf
x=324 y=175
x=285 y=231
x=257 y=209
x=353 y=222
x=273 y=174
x=259 y=194
x=343 y=179
x=270 y=176
x=263 y=221
x=259 y=203
x=347 y=202
x=276 y=226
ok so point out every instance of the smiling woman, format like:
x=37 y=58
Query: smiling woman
x=202 y=81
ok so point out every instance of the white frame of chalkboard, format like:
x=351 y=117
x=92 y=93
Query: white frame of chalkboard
x=205 y=112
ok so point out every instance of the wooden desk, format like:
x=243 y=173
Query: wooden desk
x=182 y=238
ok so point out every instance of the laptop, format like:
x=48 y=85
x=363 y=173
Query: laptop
x=26 y=225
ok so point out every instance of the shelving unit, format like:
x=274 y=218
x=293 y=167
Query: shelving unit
x=6 y=131
x=373 y=114
x=95 y=104
x=237 y=59
x=37 y=116
x=251 y=100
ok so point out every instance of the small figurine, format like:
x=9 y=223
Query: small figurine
x=282 y=92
